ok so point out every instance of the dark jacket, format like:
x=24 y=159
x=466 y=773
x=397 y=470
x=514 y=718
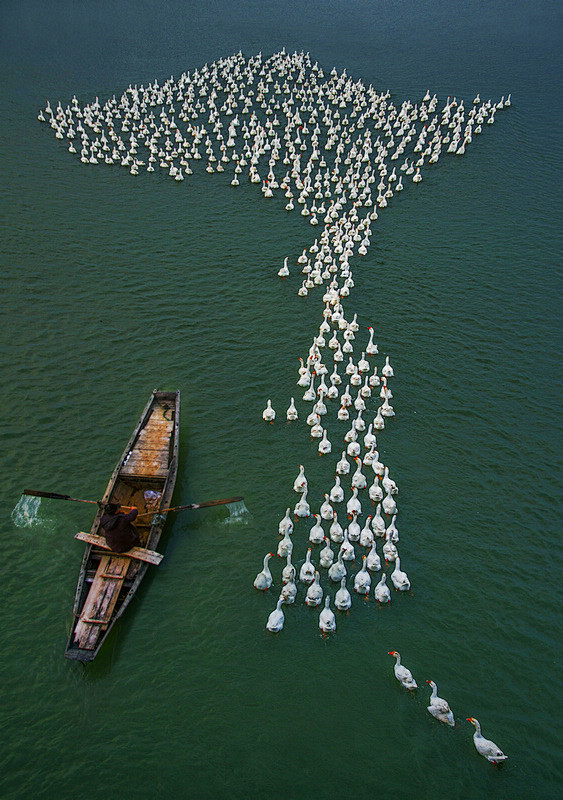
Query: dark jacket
x=120 y=533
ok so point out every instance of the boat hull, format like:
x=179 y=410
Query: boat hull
x=144 y=477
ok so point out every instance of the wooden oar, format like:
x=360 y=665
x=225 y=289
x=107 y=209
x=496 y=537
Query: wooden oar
x=55 y=496
x=192 y=505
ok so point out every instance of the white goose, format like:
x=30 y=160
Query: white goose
x=439 y=708
x=317 y=429
x=370 y=439
x=307 y=571
x=289 y=590
x=386 y=409
x=304 y=377
x=288 y=569
x=343 y=598
x=325 y=446
x=378 y=523
x=276 y=619
x=337 y=571
x=283 y=272
x=387 y=370
x=343 y=414
x=337 y=492
x=291 y=413
x=375 y=491
x=359 y=480
x=390 y=552
x=393 y=530
x=269 y=415
x=366 y=534
x=363 y=364
x=300 y=482
x=343 y=466
x=389 y=505
x=326 y=510
x=374 y=379
x=285 y=545
x=389 y=484
x=399 y=577
x=360 y=403
x=379 y=422
x=354 y=530
x=351 y=435
x=485 y=747
x=373 y=562
x=403 y=675
x=353 y=506
x=382 y=593
x=336 y=531
x=362 y=581
x=326 y=556
x=347 y=548
x=327 y=620
x=371 y=348
x=317 y=534
x=310 y=394
x=263 y=580
x=286 y=524
x=314 y=592
x=346 y=397
x=302 y=508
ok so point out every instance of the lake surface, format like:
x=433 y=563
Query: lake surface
x=114 y=285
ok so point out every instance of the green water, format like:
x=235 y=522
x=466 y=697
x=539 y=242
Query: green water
x=114 y=285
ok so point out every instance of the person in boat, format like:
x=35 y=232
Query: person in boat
x=121 y=535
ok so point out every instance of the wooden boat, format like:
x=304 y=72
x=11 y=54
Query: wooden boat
x=144 y=477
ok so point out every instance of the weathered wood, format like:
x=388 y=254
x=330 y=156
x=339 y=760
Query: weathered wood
x=150 y=454
x=101 y=600
x=107 y=580
x=138 y=553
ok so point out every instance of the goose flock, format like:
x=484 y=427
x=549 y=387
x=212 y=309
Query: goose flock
x=338 y=152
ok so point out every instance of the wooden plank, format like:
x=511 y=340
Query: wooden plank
x=138 y=553
x=101 y=600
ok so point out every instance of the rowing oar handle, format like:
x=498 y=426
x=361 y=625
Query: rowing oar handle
x=191 y=506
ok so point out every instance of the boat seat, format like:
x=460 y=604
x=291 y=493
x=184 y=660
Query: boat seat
x=137 y=553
